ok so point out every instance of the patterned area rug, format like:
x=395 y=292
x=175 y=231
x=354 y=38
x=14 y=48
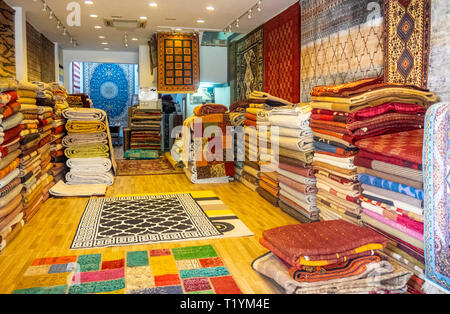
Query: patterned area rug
x=407 y=41
x=145 y=167
x=185 y=270
x=142 y=220
x=7 y=41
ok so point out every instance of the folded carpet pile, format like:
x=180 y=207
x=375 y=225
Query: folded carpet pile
x=89 y=157
x=326 y=257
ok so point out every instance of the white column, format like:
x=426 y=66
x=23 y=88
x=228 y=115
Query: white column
x=146 y=79
x=21 y=44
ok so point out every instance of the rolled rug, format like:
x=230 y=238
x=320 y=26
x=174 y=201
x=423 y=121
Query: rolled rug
x=89 y=177
x=78 y=126
x=88 y=151
x=84 y=114
x=77 y=139
x=12 y=121
x=89 y=164
x=62 y=189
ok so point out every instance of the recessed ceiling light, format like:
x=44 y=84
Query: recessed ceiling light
x=200 y=21
x=143 y=17
x=178 y=29
x=105 y=43
x=97 y=26
x=93 y=15
x=101 y=37
x=134 y=39
x=88 y=2
x=210 y=8
x=153 y=4
x=106 y=48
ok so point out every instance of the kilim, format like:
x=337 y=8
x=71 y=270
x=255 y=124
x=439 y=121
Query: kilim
x=7 y=40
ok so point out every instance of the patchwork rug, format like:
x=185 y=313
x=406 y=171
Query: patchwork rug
x=250 y=64
x=142 y=220
x=178 y=63
x=282 y=55
x=341 y=41
x=184 y=270
x=407 y=41
x=145 y=167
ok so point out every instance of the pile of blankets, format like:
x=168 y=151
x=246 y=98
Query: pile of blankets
x=237 y=119
x=60 y=97
x=44 y=95
x=87 y=147
x=33 y=149
x=329 y=257
x=58 y=132
x=145 y=129
x=208 y=146
x=292 y=152
x=390 y=170
x=251 y=171
x=11 y=206
x=79 y=101
x=346 y=113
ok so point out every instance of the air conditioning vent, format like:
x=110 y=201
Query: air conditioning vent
x=125 y=24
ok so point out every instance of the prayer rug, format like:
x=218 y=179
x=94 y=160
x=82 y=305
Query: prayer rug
x=145 y=167
x=178 y=63
x=134 y=220
x=282 y=55
x=341 y=41
x=220 y=215
x=183 y=270
x=250 y=64
x=407 y=41
x=7 y=41
x=436 y=190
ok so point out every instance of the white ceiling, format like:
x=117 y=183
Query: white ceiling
x=186 y=13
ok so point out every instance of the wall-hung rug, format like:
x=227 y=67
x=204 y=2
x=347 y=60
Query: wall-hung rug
x=407 y=41
x=145 y=167
x=7 y=41
x=178 y=63
x=184 y=270
x=142 y=220
x=250 y=64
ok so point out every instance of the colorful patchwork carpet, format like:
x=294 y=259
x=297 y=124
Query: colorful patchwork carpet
x=250 y=64
x=142 y=220
x=184 y=270
x=407 y=41
x=341 y=41
x=178 y=63
x=436 y=159
x=145 y=167
x=282 y=55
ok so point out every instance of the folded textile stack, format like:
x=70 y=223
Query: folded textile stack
x=342 y=115
x=390 y=170
x=145 y=125
x=329 y=257
x=292 y=152
x=267 y=100
x=58 y=130
x=237 y=121
x=87 y=147
x=11 y=206
x=208 y=146
x=32 y=151
x=78 y=101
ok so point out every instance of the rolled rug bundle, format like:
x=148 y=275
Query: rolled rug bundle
x=79 y=126
x=77 y=139
x=76 y=177
x=84 y=114
x=62 y=189
x=89 y=164
x=87 y=151
x=329 y=257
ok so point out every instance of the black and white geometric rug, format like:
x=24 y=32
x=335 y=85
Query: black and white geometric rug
x=136 y=220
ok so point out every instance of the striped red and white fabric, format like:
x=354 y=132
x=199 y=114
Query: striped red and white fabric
x=76 y=77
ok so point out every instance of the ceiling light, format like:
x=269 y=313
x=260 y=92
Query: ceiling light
x=93 y=15
x=71 y=40
x=153 y=4
x=64 y=31
x=104 y=43
x=249 y=14
x=134 y=39
x=106 y=48
x=44 y=6
x=50 y=16
x=58 y=25
x=101 y=37
x=200 y=21
x=88 y=2
x=210 y=8
x=143 y=17
x=237 y=23
x=97 y=26
x=178 y=29
x=259 y=6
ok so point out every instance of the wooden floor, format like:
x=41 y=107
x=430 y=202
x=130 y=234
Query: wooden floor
x=51 y=230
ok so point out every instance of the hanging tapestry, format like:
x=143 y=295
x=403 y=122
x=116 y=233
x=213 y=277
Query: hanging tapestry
x=407 y=41
x=436 y=190
x=250 y=64
x=440 y=49
x=341 y=41
x=153 y=46
x=47 y=60
x=178 y=63
x=282 y=55
x=111 y=87
x=232 y=70
x=7 y=41
x=33 y=53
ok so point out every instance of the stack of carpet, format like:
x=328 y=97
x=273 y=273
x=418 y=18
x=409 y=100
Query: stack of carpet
x=60 y=97
x=292 y=152
x=59 y=168
x=208 y=146
x=78 y=101
x=390 y=170
x=145 y=127
x=11 y=206
x=329 y=257
x=237 y=121
x=87 y=147
x=343 y=114
x=44 y=95
x=31 y=157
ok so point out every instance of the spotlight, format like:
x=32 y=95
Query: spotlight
x=259 y=6
x=249 y=14
x=44 y=6
x=237 y=23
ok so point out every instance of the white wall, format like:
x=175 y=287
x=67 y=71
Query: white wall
x=95 y=56
x=213 y=64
